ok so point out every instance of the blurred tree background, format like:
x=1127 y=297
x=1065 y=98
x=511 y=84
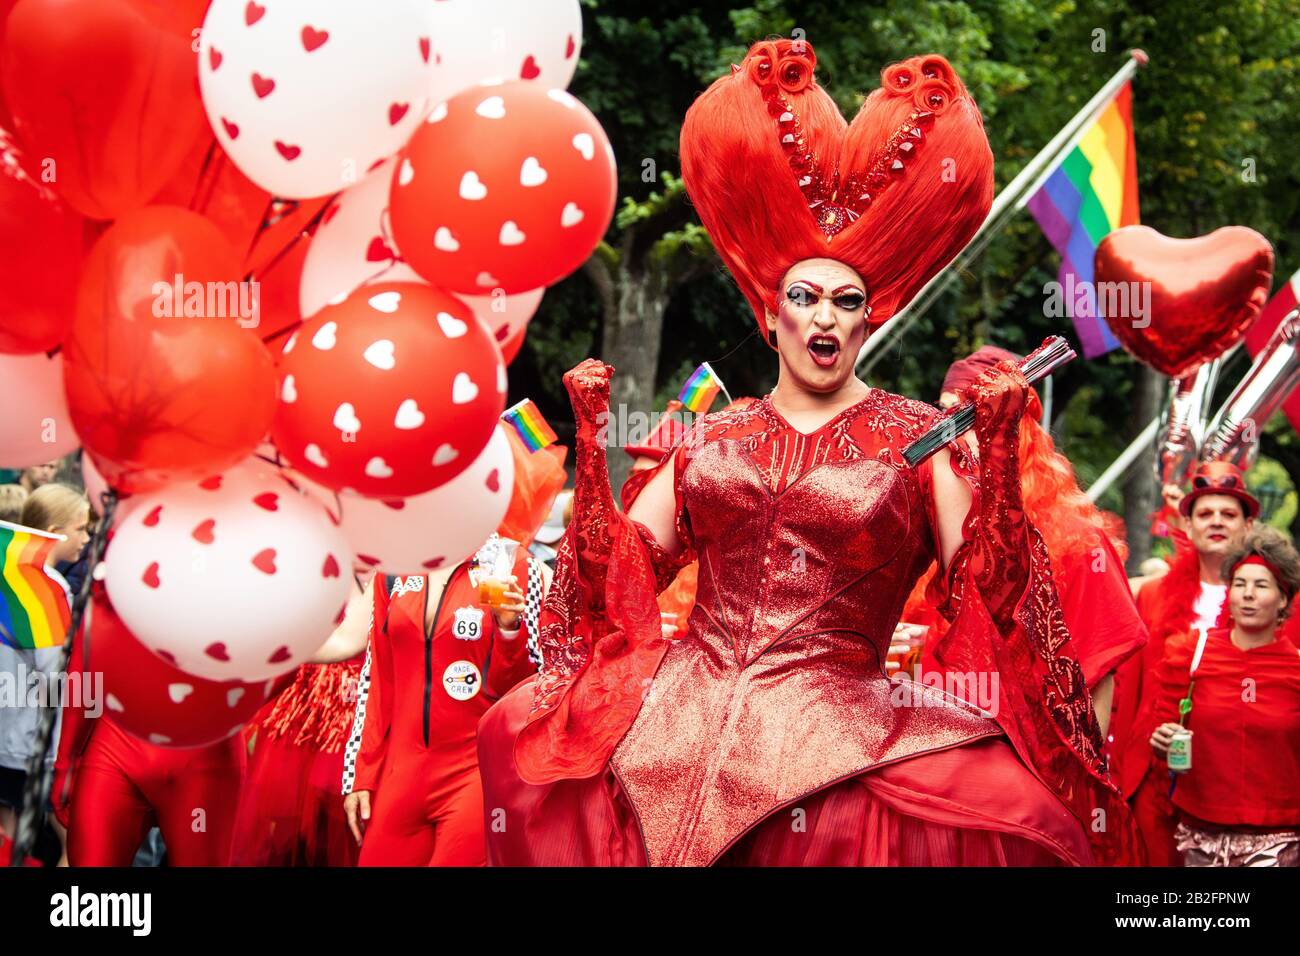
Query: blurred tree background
x=1216 y=128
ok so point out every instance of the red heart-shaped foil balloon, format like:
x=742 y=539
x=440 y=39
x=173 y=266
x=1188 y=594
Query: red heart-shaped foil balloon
x=1203 y=292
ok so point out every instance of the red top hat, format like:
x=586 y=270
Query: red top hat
x=1219 y=478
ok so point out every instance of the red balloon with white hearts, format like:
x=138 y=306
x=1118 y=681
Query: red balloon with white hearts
x=507 y=186
x=353 y=246
x=154 y=700
x=477 y=40
x=439 y=528
x=390 y=393
x=306 y=98
x=235 y=577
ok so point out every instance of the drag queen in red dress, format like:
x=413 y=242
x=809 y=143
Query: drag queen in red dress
x=769 y=733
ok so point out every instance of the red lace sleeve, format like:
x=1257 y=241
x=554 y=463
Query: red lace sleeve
x=1043 y=704
x=600 y=634
x=666 y=566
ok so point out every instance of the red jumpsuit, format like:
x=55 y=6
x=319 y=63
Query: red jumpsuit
x=413 y=743
x=123 y=786
x=110 y=787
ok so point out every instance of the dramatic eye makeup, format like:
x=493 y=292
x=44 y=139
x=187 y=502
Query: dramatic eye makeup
x=848 y=298
x=803 y=293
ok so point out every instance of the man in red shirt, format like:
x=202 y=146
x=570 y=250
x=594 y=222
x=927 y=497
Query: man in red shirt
x=437 y=660
x=1218 y=512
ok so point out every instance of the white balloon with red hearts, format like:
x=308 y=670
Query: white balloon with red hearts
x=306 y=98
x=477 y=40
x=354 y=246
x=390 y=393
x=235 y=577
x=437 y=529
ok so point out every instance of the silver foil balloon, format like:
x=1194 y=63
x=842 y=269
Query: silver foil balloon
x=1183 y=427
x=1233 y=435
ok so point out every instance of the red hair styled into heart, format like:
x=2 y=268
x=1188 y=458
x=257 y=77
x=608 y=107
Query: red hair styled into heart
x=777 y=176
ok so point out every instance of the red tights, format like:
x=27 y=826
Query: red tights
x=123 y=786
x=415 y=824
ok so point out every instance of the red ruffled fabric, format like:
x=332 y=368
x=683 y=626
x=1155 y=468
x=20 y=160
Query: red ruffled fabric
x=972 y=805
x=1043 y=706
x=291 y=807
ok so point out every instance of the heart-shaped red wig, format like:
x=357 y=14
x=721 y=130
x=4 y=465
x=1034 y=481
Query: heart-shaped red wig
x=777 y=176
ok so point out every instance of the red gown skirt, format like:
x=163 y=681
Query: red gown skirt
x=971 y=805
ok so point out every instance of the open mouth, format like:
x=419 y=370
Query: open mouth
x=824 y=349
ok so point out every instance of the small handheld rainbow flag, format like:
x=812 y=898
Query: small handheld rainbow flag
x=700 y=389
x=34 y=608
x=529 y=424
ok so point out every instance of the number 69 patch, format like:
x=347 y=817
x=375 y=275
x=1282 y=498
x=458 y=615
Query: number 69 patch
x=469 y=623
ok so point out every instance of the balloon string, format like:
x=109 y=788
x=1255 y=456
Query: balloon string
x=306 y=231
x=263 y=225
x=752 y=332
x=205 y=179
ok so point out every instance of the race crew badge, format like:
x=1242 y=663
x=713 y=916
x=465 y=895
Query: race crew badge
x=462 y=680
x=469 y=623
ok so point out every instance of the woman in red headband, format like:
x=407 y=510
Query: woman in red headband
x=769 y=732
x=1237 y=689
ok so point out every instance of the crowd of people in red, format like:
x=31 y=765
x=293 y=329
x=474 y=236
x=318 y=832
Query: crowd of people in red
x=732 y=667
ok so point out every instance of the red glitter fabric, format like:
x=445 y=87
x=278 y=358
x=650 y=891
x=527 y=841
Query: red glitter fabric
x=808 y=546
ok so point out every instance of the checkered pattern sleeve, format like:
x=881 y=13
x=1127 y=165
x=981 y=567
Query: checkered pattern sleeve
x=532 y=609
x=363 y=755
x=353 y=745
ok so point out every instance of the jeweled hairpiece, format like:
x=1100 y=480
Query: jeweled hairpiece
x=836 y=204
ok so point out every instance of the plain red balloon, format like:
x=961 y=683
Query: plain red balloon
x=155 y=701
x=211 y=185
x=506 y=186
x=105 y=93
x=6 y=118
x=40 y=257
x=165 y=387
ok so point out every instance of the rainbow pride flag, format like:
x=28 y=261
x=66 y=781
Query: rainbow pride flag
x=1091 y=192
x=529 y=424
x=34 y=609
x=700 y=389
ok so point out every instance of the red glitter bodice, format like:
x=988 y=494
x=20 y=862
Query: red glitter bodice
x=808 y=546
x=801 y=534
